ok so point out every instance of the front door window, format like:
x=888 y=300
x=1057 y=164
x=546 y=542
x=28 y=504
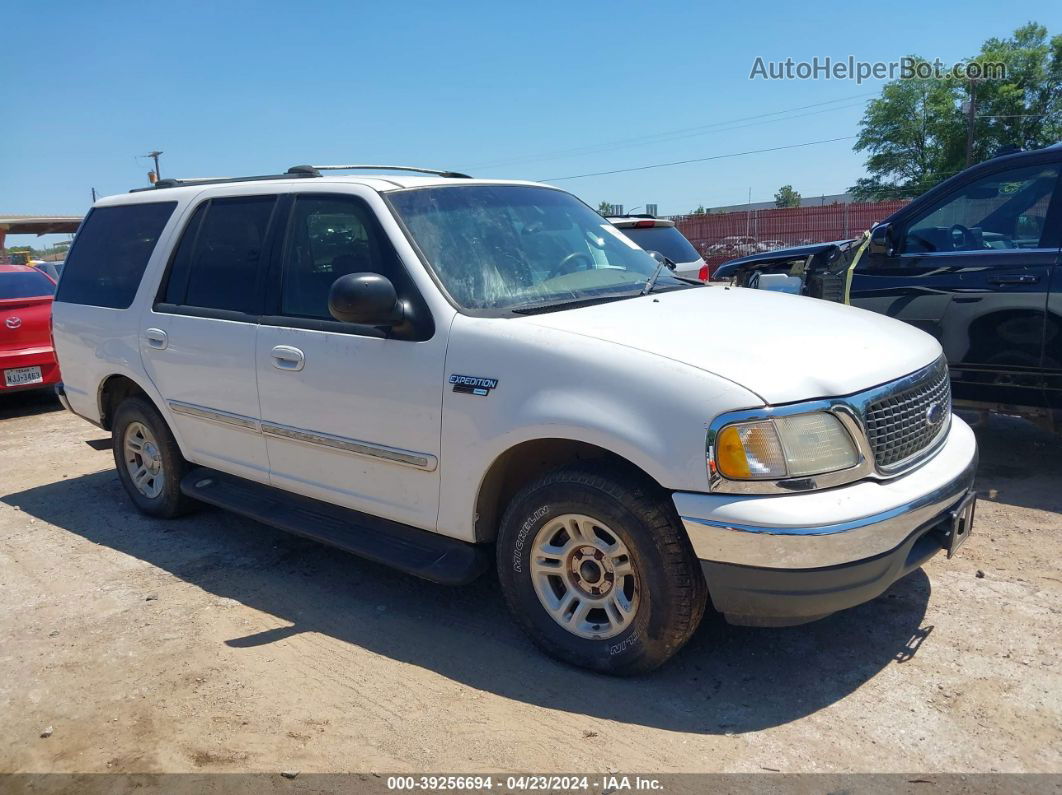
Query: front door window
x=1002 y=211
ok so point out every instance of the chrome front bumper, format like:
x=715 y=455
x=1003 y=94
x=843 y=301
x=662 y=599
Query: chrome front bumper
x=835 y=526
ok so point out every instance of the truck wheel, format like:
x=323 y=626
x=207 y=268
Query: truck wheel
x=597 y=570
x=148 y=461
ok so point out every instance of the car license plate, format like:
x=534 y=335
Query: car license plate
x=20 y=376
x=962 y=518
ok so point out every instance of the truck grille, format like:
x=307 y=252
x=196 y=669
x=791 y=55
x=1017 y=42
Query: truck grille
x=901 y=424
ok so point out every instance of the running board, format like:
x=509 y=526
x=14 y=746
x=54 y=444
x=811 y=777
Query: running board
x=428 y=555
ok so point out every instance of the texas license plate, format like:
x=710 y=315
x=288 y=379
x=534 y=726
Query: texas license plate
x=20 y=376
x=962 y=518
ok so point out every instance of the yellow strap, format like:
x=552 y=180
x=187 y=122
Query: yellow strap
x=852 y=267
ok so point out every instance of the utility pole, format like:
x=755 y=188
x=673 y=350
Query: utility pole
x=155 y=155
x=971 y=116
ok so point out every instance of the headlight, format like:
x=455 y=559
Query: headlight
x=786 y=447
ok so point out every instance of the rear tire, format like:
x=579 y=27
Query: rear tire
x=148 y=460
x=597 y=570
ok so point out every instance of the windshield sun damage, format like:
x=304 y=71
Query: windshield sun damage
x=499 y=247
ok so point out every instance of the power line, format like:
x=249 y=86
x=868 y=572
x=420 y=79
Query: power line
x=682 y=132
x=698 y=159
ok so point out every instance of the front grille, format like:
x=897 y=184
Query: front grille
x=899 y=425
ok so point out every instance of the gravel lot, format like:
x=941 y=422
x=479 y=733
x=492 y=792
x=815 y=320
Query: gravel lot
x=212 y=643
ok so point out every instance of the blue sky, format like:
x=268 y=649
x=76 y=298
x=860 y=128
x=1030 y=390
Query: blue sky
x=496 y=89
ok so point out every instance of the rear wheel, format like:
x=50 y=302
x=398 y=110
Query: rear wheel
x=148 y=461
x=597 y=571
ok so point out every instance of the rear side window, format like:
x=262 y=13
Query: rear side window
x=110 y=253
x=25 y=284
x=218 y=262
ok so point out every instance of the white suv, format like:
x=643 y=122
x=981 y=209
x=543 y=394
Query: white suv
x=421 y=369
x=661 y=235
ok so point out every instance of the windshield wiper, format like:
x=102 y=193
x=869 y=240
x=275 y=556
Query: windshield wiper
x=650 y=283
x=567 y=303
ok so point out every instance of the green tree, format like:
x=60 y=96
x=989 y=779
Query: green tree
x=604 y=208
x=915 y=133
x=786 y=197
x=1025 y=109
x=699 y=211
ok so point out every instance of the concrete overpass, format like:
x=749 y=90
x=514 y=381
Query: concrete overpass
x=37 y=225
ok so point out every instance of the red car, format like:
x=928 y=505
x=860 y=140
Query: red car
x=27 y=358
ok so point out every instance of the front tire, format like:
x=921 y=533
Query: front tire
x=596 y=569
x=148 y=460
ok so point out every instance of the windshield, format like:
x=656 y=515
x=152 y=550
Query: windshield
x=665 y=239
x=25 y=284
x=512 y=246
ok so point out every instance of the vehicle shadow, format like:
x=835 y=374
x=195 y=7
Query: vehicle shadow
x=727 y=680
x=26 y=404
x=1020 y=462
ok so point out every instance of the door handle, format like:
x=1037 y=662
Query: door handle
x=1015 y=278
x=156 y=338
x=285 y=357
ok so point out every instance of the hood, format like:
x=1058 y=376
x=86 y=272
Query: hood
x=728 y=268
x=784 y=348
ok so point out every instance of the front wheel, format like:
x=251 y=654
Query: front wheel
x=597 y=571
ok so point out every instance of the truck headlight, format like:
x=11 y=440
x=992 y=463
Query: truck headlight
x=785 y=447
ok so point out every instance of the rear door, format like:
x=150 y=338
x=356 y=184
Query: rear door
x=198 y=340
x=974 y=270
x=351 y=414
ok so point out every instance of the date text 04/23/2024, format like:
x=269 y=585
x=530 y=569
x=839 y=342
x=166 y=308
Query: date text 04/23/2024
x=525 y=783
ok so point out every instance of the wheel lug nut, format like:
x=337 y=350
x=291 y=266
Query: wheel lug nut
x=598 y=554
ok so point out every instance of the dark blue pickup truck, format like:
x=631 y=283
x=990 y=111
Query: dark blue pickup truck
x=975 y=262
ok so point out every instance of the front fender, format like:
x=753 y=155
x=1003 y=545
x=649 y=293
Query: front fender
x=650 y=410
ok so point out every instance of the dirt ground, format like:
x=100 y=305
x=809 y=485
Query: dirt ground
x=212 y=643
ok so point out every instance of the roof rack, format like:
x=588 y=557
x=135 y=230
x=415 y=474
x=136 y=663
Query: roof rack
x=365 y=167
x=185 y=181
x=295 y=172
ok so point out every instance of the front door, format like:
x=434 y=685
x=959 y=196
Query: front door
x=974 y=271
x=351 y=414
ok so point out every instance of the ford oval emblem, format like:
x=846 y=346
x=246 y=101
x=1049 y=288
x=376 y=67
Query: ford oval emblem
x=935 y=413
x=13 y=322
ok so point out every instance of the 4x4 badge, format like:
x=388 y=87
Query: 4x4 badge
x=472 y=385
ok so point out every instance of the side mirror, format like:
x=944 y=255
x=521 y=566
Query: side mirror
x=367 y=299
x=882 y=241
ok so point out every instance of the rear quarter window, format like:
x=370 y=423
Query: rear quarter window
x=109 y=255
